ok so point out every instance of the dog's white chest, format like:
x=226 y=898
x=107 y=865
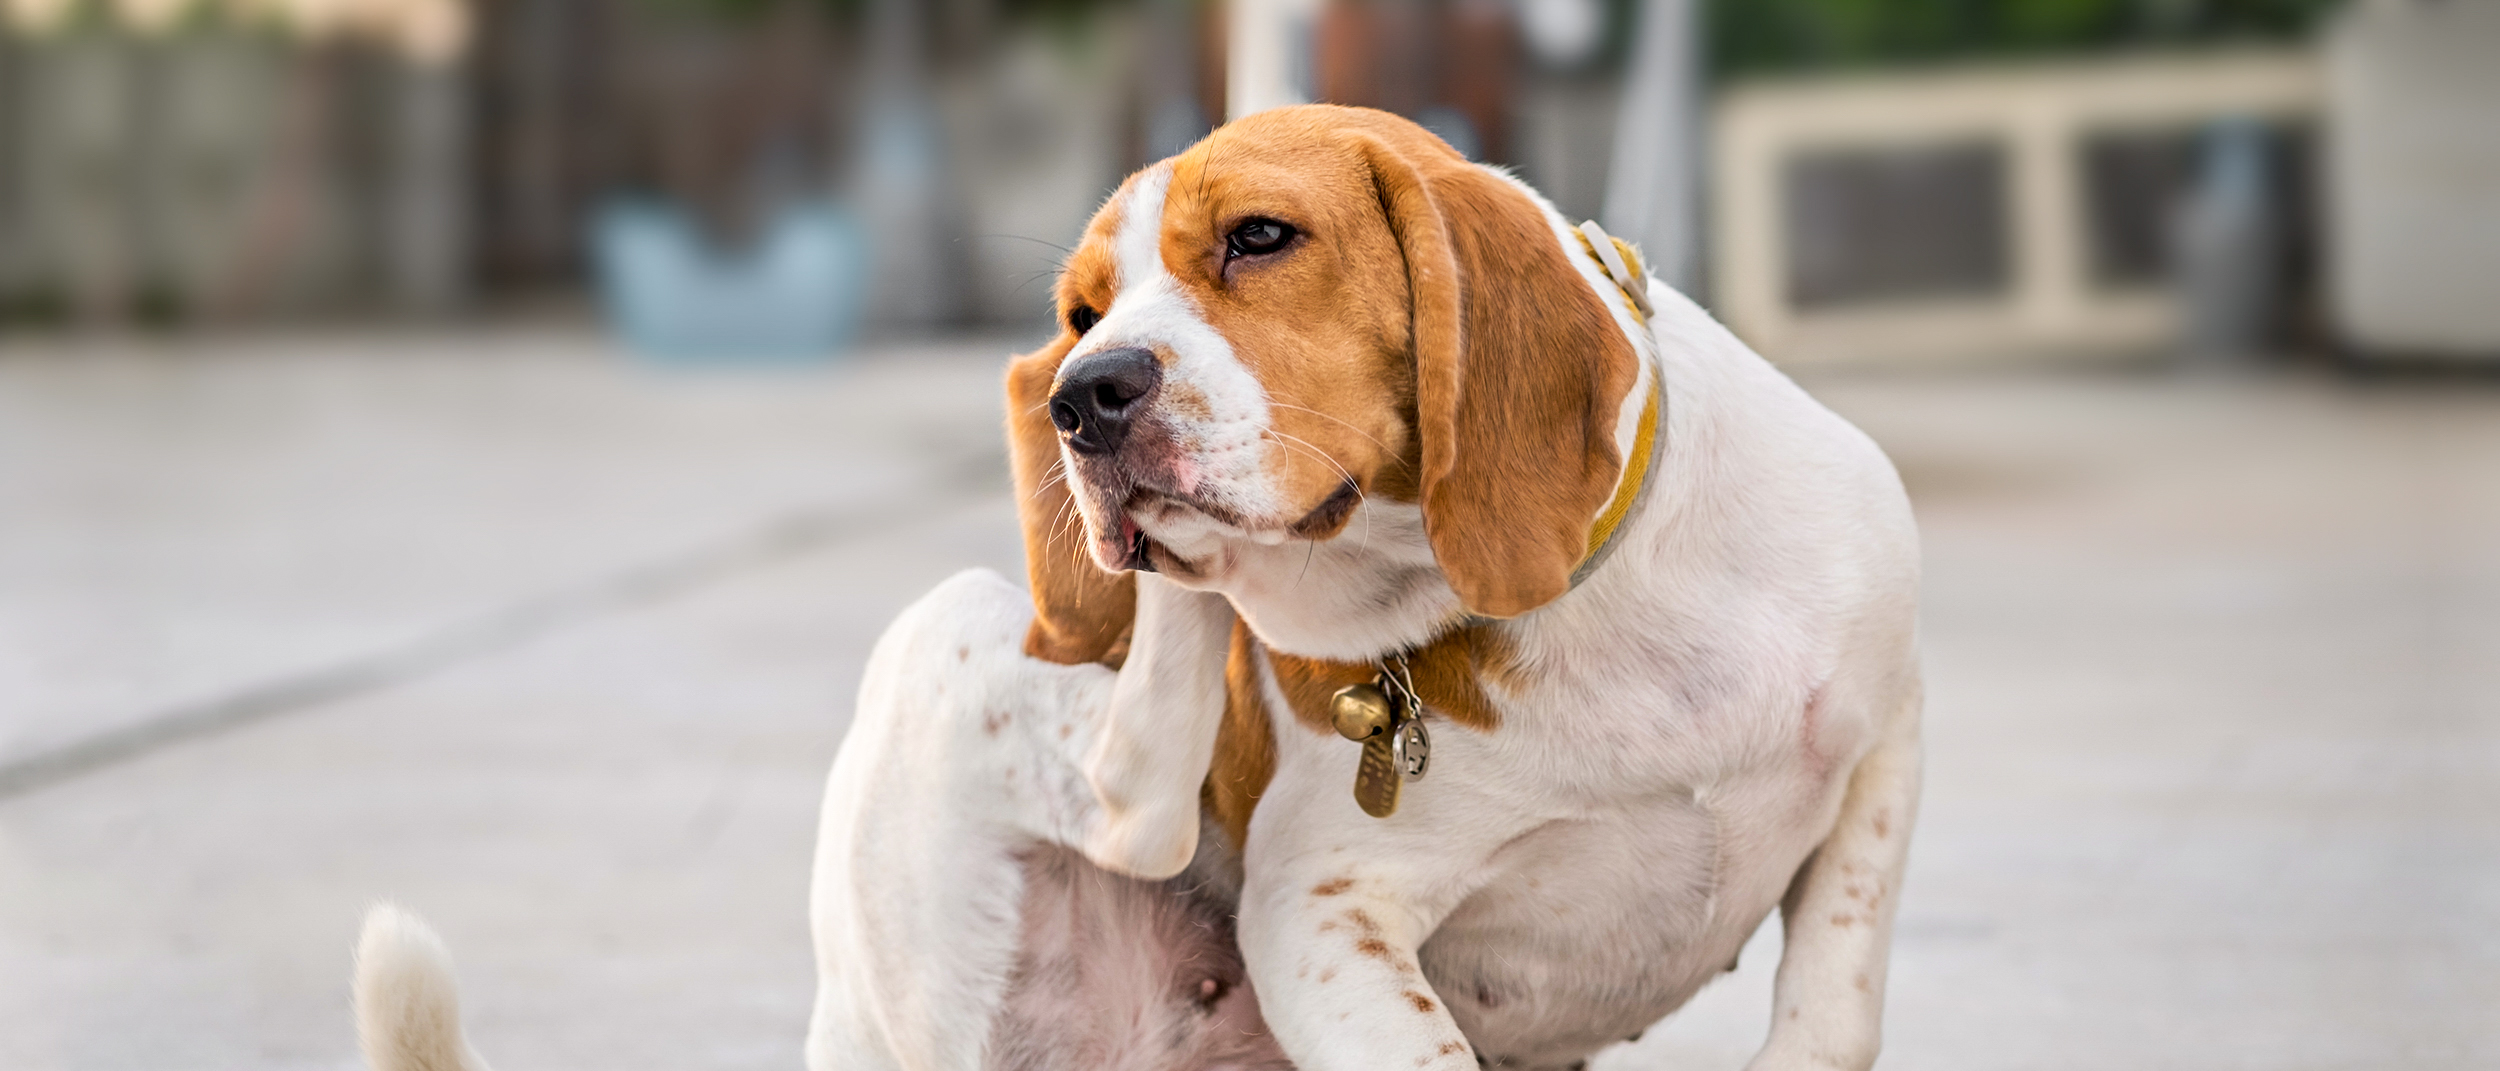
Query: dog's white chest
x=1678 y=833
x=1593 y=929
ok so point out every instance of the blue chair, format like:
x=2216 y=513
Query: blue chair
x=793 y=294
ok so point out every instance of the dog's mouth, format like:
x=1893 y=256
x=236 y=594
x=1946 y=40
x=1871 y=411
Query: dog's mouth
x=1136 y=545
x=1179 y=518
x=1185 y=529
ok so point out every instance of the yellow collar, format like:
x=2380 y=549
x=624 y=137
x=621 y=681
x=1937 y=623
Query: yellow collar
x=1623 y=265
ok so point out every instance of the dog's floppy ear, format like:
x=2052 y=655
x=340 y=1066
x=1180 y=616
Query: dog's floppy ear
x=1080 y=612
x=1520 y=373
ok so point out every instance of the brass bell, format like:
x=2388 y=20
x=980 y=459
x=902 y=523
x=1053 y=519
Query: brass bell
x=1361 y=711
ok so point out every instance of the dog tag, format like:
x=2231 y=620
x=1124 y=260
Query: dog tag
x=1411 y=749
x=1376 y=780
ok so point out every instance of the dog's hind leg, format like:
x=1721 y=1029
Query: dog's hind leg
x=1827 y=1008
x=964 y=755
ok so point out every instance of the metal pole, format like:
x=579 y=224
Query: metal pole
x=1653 y=195
x=426 y=249
x=902 y=175
x=1267 y=54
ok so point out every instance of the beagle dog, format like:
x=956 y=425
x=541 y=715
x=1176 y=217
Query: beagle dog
x=1445 y=647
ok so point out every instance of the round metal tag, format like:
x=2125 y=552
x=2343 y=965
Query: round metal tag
x=1412 y=750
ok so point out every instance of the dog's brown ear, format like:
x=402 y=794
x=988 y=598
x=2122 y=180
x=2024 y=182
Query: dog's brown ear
x=1520 y=373
x=1080 y=612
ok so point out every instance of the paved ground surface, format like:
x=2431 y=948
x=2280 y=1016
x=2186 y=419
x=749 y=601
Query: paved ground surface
x=556 y=648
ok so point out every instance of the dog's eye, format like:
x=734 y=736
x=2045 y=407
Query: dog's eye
x=1256 y=237
x=1082 y=319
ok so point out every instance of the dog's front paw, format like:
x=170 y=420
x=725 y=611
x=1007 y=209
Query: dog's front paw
x=1145 y=843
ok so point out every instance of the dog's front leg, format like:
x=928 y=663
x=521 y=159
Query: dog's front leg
x=1152 y=745
x=1828 y=1004
x=1336 y=903
x=1334 y=963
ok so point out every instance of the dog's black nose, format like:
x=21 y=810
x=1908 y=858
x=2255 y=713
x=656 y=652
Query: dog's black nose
x=1100 y=394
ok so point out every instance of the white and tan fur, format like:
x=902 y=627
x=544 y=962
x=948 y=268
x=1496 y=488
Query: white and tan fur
x=1721 y=720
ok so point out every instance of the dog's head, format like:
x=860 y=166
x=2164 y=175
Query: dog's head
x=1312 y=309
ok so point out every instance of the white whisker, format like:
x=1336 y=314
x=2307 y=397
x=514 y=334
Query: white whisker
x=1330 y=416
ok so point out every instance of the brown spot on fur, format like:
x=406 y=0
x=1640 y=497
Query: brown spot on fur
x=1362 y=920
x=963 y=654
x=1332 y=887
x=992 y=722
x=1064 y=730
x=1809 y=735
x=1374 y=947
x=1420 y=1002
x=1844 y=920
x=1883 y=823
x=1327 y=975
x=1864 y=986
x=1451 y=1048
x=1793 y=1014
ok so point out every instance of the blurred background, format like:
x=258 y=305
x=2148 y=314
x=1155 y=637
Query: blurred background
x=462 y=450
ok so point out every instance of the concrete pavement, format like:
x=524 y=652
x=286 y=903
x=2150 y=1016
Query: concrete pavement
x=2214 y=704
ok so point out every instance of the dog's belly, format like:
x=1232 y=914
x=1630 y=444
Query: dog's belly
x=1594 y=929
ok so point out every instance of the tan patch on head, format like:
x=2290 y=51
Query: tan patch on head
x=1323 y=325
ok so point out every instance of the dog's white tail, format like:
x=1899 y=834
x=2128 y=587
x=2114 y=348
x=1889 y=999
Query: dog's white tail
x=407 y=1004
